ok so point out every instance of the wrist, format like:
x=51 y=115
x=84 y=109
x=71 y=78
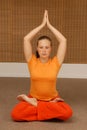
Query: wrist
x=42 y=25
x=49 y=25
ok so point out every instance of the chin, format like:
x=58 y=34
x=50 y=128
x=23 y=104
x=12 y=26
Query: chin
x=46 y=56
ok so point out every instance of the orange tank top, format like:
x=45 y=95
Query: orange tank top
x=43 y=78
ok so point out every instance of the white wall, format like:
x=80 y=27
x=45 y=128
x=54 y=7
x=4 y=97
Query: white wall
x=21 y=70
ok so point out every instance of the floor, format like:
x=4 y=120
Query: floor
x=74 y=92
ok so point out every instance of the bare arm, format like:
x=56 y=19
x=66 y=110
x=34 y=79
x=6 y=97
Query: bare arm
x=62 y=42
x=29 y=37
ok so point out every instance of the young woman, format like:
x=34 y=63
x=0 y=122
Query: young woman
x=43 y=101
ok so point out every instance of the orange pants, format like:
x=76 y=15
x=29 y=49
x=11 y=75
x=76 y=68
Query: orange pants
x=44 y=111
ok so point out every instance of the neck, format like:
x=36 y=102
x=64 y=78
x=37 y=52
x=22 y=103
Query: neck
x=44 y=60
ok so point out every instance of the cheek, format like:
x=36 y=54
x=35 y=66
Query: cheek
x=39 y=50
x=49 y=51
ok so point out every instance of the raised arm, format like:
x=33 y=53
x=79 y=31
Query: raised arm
x=29 y=37
x=62 y=42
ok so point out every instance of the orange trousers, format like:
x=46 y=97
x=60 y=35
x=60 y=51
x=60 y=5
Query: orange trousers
x=24 y=111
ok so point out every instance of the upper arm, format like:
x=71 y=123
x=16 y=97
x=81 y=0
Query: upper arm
x=27 y=50
x=61 y=51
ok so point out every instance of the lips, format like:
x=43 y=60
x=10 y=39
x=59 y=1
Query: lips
x=43 y=54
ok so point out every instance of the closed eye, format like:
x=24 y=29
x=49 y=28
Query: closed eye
x=47 y=47
x=41 y=47
x=44 y=47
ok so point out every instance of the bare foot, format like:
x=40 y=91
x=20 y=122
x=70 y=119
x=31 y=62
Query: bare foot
x=23 y=97
x=57 y=99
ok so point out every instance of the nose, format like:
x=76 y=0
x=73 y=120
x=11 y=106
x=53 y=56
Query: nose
x=44 y=50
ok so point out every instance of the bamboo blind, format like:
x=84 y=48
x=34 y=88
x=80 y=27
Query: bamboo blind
x=18 y=17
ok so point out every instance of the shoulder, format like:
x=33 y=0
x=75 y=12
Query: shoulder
x=32 y=59
x=56 y=61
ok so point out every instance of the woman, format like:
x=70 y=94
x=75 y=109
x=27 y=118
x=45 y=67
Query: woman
x=43 y=101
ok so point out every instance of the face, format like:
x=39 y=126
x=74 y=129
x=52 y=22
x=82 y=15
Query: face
x=44 y=48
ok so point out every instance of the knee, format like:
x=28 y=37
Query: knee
x=68 y=113
x=15 y=115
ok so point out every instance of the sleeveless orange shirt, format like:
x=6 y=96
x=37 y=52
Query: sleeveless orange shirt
x=43 y=78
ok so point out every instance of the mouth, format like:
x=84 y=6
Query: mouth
x=44 y=54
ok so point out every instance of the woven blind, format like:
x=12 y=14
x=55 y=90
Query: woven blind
x=18 y=17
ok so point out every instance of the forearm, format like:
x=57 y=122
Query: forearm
x=32 y=33
x=57 y=34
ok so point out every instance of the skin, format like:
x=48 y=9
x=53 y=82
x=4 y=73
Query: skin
x=62 y=41
x=24 y=97
x=44 y=49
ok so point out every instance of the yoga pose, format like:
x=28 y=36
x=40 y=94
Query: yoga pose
x=43 y=101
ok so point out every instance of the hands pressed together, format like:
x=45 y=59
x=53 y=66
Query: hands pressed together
x=46 y=19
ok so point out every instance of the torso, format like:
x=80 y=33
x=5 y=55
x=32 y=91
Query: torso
x=43 y=78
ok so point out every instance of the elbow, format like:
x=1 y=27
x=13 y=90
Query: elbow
x=26 y=39
x=65 y=40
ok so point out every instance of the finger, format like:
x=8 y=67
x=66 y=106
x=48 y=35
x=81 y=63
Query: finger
x=45 y=11
x=45 y=15
x=47 y=18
